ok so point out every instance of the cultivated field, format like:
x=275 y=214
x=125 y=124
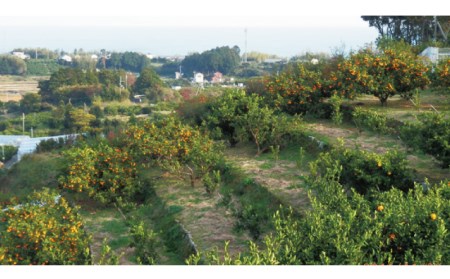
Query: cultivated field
x=13 y=87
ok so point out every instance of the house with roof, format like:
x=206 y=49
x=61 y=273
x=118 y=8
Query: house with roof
x=217 y=78
x=66 y=58
x=21 y=55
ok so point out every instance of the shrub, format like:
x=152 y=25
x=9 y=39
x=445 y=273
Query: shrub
x=370 y=119
x=430 y=133
x=211 y=181
x=144 y=242
x=10 y=151
x=391 y=227
x=50 y=145
x=365 y=171
x=337 y=115
x=249 y=219
x=195 y=109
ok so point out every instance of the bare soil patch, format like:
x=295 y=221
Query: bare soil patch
x=280 y=178
x=210 y=225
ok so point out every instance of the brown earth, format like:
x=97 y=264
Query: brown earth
x=280 y=178
x=209 y=225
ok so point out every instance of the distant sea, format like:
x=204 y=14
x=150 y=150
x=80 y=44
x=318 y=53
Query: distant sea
x=165 y=41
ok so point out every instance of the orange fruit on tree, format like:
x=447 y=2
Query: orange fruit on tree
x=433 y=216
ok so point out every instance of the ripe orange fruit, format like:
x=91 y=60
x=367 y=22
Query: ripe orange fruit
x=433 y=216
x=392 y=236
x=380 y=207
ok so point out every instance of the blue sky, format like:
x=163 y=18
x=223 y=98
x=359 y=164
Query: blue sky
x=282 y=27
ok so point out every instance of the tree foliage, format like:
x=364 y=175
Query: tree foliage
x=412 y=29
x=441 y=76
x=129 y=61
x=173 y=146
x=38 y=53
x=79 y=87
x=237 y=116
x=222 y=59
x=11 y=65
x=30 y=103
x=295 y=89
x=149 y=84
x=45 y=230
x=106 y=173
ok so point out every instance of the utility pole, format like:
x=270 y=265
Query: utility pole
x=435 y=28
x=23 y=123
x=120 y=85
x=245 y=53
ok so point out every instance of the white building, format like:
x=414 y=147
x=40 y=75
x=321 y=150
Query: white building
x=66 y=58
x=435 y=54
x=21 y=55
x=198 y=77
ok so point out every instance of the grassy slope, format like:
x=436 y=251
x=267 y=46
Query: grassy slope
x=32 y=173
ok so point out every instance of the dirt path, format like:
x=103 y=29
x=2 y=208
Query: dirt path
x=366 y=140
x=210 y=225
x=281 y=178
x=94 y=225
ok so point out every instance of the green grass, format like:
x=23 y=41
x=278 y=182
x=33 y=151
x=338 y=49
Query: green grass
x=115 y=227
x=119 y=242
x=267 y=165
x=32 y=173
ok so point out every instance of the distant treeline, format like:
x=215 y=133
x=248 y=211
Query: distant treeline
x=220 y=59
x=79 y=86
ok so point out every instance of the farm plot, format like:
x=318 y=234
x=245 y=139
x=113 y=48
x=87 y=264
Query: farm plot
x=12 y=88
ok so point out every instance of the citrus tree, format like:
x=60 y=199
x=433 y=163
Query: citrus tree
x=295 y=89
x=173 y=146
x=44 y=230
x=239 y=117
x=441 y=76
x=382 y=73
x=105 y=172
